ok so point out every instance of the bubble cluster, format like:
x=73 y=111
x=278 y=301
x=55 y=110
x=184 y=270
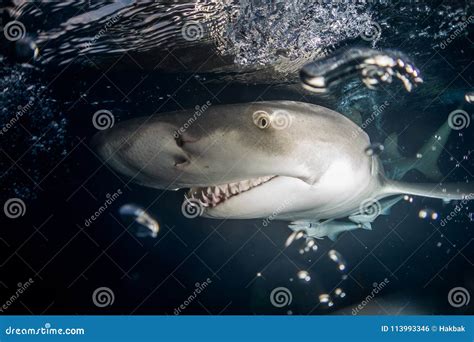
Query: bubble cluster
x=304 y=275
x=271 y=27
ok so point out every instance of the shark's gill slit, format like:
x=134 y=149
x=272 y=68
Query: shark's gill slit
x=211 y=196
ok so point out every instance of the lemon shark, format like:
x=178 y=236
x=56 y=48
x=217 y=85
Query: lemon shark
x=290 y=161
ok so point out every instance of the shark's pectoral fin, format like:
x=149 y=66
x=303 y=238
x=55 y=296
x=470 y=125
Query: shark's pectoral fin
x=334 y=236
x=430 y=152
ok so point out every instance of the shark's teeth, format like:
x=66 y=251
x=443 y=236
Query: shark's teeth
x=213 y=195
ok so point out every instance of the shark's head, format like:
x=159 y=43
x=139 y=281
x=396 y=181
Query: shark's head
x=234 y=159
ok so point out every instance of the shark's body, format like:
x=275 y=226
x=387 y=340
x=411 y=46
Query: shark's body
x=287 y=160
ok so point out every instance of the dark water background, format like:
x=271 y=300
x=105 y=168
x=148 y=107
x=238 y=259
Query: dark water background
x=47 y=162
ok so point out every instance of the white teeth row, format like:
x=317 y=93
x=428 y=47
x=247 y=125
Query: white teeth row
x=213 y=195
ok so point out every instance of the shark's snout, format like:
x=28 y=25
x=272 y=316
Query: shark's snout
x=149 y=154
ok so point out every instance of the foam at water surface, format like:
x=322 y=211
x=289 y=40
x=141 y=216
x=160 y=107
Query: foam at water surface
x=295 y=30
x=255 y=33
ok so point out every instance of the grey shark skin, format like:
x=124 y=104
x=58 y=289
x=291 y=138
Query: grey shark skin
x=287 y=160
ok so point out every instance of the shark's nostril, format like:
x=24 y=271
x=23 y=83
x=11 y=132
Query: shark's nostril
x=180 y=161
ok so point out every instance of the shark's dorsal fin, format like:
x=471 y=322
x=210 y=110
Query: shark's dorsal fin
x=388 y=203
x=426 y=160
x=391 y=147
x=430 y=152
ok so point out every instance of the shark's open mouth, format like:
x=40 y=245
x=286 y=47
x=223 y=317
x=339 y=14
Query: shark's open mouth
x=211 y=196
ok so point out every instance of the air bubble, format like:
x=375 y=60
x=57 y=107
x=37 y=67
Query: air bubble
x=374 y=149
x=339 y=293
x=428 y=213
x=145 y=224
x=296 y=235
x=338 y=259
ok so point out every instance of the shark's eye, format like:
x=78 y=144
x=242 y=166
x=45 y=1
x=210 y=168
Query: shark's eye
x=261 y=119
x=179 y=140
